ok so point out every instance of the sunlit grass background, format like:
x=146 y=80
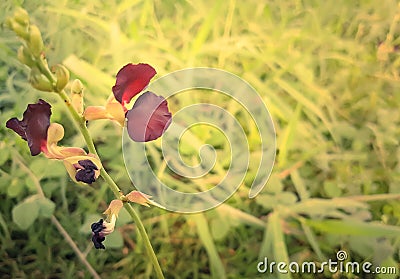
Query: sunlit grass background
x=328 y=72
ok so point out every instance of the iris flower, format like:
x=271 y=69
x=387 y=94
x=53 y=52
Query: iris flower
x=149 y=117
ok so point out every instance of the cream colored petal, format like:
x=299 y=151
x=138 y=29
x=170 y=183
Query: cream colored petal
x=71 y=170
x=96 y=112
x=55 y=133
x=138 y=197
x=117 y=112
x=114 y=208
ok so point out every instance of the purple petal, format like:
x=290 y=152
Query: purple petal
x=149 y=118
x=33 y=126
x=131 y=80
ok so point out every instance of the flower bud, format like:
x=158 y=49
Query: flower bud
x=77 y=87
x=35 y=42
x=138 y=197
x=19 y=29
x=62 y=75
x=39 y=81
x=21 y=16
x=25 y=57
x=77 y=96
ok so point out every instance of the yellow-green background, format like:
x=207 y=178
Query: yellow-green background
x=328 y=72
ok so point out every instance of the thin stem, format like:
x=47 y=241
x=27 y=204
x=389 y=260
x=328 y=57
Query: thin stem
x=74 y=247
x=146 y=240
x=54 y=220
x=80 y=122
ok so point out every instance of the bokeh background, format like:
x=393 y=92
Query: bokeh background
x=328 y=72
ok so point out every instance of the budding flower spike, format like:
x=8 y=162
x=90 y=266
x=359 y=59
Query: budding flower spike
x=149 y=116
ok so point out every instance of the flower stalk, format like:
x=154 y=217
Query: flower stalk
x=80 y=123
x=44 y=79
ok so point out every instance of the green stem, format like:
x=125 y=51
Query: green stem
x=80 y=122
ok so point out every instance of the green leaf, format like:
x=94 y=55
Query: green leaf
x=46 y=207
x=350 y=227
x=216 y=265
x=279 y=244
x=25 y=213
x=219 y=228
x=114 y=240
x=331 y=189
x=5 y=154
x=15 y=188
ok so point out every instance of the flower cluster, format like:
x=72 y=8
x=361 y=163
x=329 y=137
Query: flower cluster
x=147 y=120
x=149 y=117
x=43 y=136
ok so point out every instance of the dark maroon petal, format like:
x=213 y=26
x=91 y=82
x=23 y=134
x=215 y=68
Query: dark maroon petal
x=98 y=237
x=87 y=164
x=131 y=80
x=16 y=125
x=97 y=240
x=149 y=118
x=97 y=226
x=33 y=126
x=86 y=176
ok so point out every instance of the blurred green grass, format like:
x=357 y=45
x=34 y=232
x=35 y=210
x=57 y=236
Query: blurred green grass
x=328 y=72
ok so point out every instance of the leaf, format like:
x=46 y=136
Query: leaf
x=331 y=189
x=279 y=244
x=219 y=228
x=216 y=265
x=114 y=240
x=46 y=207
x=15 y=188
x=350 y=227
x=25 y=213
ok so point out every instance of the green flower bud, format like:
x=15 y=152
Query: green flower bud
x=19 y=29
x=39 y=81
x=35 y=42
x=21 y=16
x=62 y=75
x=77 y=96
x=77 y=87
x=25 y=57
